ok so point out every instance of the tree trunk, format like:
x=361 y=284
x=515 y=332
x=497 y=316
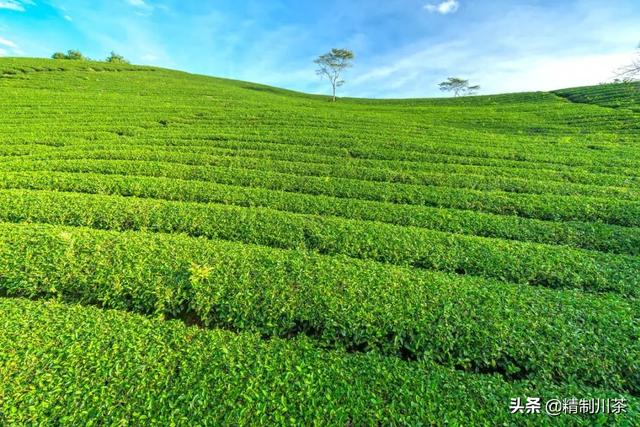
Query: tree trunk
x=334 y=93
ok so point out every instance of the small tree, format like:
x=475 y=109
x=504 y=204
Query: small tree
x=458 y=86
x=331 y=66
x=59 y=55
x=74 y=55
x=116 y=59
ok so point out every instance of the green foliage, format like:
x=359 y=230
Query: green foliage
x=613 y=95
x=457 y=321
x=177 y=183
x=116 y=59
x=74 y=55
x=517 y=262
x=160 y=373
x=368 y=262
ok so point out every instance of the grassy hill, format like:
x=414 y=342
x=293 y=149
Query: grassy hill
x=183 y=249
x=620 y=95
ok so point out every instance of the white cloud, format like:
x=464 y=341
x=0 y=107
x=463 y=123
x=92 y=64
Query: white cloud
x=11 y=5
x=549 y=73
x=443 y=8
x=16 y=5
x=7 y=43
x=139 y=3
x=9 y=48
x=3 y=52
x=143 y=8
x=64 y=13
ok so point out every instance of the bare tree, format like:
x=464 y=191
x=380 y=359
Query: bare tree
x=331 y=66
x=630 y=72
x=458 y=86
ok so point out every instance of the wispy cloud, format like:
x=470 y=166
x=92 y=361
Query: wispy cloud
x=140 y=4
x=16 y=5
x=7 y=43
x=9 y=47
x=142 y=7
x=443 y=8
x=62 y=10
x=137 y=3
x=12 y=5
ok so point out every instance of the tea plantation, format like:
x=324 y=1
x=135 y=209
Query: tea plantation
x=179 y=250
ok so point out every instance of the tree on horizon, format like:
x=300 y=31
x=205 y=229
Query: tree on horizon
x=331 y=66
x=458 y=86
x=114 y=58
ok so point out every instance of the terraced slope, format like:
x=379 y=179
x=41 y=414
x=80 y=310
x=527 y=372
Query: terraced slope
x=225 y=252
x=625 y=95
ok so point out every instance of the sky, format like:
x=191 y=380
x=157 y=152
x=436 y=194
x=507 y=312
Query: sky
x=403 y=48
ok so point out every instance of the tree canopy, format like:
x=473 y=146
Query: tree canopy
x=458 y=86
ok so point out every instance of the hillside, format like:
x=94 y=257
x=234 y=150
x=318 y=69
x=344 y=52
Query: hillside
x=625 y=95
x=183 y=249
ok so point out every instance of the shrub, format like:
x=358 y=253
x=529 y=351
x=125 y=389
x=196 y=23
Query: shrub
x=74 y=55
x=114 y=58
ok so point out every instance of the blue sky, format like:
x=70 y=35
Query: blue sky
x=403 y=47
